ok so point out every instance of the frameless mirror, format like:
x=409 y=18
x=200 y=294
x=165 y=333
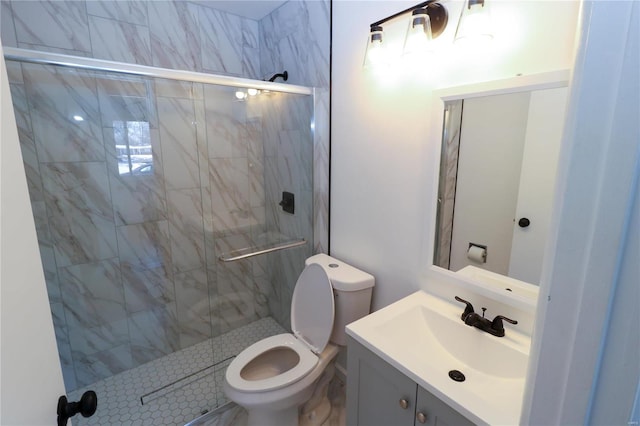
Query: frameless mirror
x=497 y=177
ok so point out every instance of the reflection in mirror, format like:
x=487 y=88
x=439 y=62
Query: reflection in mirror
x=497 y=177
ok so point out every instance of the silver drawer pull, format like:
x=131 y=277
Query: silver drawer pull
x=404 y=404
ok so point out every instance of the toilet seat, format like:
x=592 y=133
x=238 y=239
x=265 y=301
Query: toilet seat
x=307 y=362
x=312 y=313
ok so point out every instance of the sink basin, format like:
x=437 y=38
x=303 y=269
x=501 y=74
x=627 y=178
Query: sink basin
x=424 y=337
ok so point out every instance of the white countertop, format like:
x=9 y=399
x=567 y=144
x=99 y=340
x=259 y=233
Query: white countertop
x=425 y=347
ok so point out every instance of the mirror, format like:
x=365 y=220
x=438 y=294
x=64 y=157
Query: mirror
x=497 y=177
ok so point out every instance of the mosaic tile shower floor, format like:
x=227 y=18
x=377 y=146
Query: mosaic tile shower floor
x=175 y=389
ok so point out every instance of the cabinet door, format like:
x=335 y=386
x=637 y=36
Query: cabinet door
x=375 y=391
x=435 y=412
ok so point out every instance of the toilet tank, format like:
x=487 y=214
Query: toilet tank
x=351 y=291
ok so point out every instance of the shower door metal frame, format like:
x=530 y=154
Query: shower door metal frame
x=47 y=58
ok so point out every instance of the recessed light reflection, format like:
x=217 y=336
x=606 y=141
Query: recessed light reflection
x=240 y=95
x=253 y=92
x=78 y=118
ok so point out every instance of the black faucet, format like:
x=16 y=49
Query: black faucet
x=471 y=318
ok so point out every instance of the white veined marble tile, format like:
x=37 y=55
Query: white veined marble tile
x=321 y=171
x=137 y=199
x=179 y=144
x=251 y=63
x=131 y=11
x=153 y=333
x=14 y=70
x=175 y=35
x=7 y=28
x=60 y=24
x=97 y=298
x=91 y=340
x=58 y=135
x=101 y=364
x=296 y=156
x=50 y=273
x=126 y=99
x=120 y=41
x=177 y=89
x=222 y=41
x=193 y=310
x=251 y=49
x=186 y=229
x=146 y=244
x=145 y=288
x=27 y=143
x=79 y=210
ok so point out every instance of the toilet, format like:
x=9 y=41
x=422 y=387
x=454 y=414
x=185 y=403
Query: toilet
x=284 y=378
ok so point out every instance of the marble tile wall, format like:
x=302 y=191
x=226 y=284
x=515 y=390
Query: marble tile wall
x=146 y=227
x=296 y=38
x=131 y=257
x=169 y=34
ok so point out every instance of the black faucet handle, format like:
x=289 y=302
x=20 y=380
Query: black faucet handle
x=497 y=325
x=468 y=310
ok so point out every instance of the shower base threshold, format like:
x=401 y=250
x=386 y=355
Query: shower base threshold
x=174 y=389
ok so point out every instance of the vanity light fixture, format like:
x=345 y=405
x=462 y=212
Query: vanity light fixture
x=474 y=26
x=428 y=21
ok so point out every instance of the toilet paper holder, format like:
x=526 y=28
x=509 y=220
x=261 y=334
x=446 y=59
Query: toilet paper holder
x=477 y=252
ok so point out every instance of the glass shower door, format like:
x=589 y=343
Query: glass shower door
x=139 y=186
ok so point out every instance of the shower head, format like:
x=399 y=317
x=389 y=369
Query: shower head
x=284 y=75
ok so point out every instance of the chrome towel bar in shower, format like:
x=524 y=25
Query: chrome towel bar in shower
x=245 y=253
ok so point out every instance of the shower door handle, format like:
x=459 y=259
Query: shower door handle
x=86 y=406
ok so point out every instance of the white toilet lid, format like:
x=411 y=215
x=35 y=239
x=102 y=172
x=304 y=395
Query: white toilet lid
x=312 y=308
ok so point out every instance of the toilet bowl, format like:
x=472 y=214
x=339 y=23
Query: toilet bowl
x=272 y=378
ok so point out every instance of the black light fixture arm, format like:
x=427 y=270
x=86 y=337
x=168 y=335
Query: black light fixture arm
x=395 y=15
x=436 y=11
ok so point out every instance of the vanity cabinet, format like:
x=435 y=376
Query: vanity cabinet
x=378 y=394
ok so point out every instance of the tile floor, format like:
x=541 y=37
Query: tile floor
x=233 y=415
x=175 y=389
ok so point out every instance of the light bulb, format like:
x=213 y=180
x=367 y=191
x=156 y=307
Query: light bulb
x=240 y=95
x=253 y=92
x=418 y=38
x=376 y=54
x=474 y=28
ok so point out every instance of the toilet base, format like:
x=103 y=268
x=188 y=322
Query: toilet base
x=281 y=407
x=287 y=417
x=318 y=408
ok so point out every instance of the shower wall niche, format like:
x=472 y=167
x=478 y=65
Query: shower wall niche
x=138 y=185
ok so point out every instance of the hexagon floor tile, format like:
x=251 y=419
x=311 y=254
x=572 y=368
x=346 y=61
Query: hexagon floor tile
x=176 y=388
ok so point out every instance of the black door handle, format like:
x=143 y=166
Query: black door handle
x=524 y=222
x=86 y=406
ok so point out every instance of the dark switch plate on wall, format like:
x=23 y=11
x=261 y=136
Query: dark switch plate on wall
x=288 y=202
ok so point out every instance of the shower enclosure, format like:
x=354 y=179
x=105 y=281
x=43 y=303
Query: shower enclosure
x=151 y=191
